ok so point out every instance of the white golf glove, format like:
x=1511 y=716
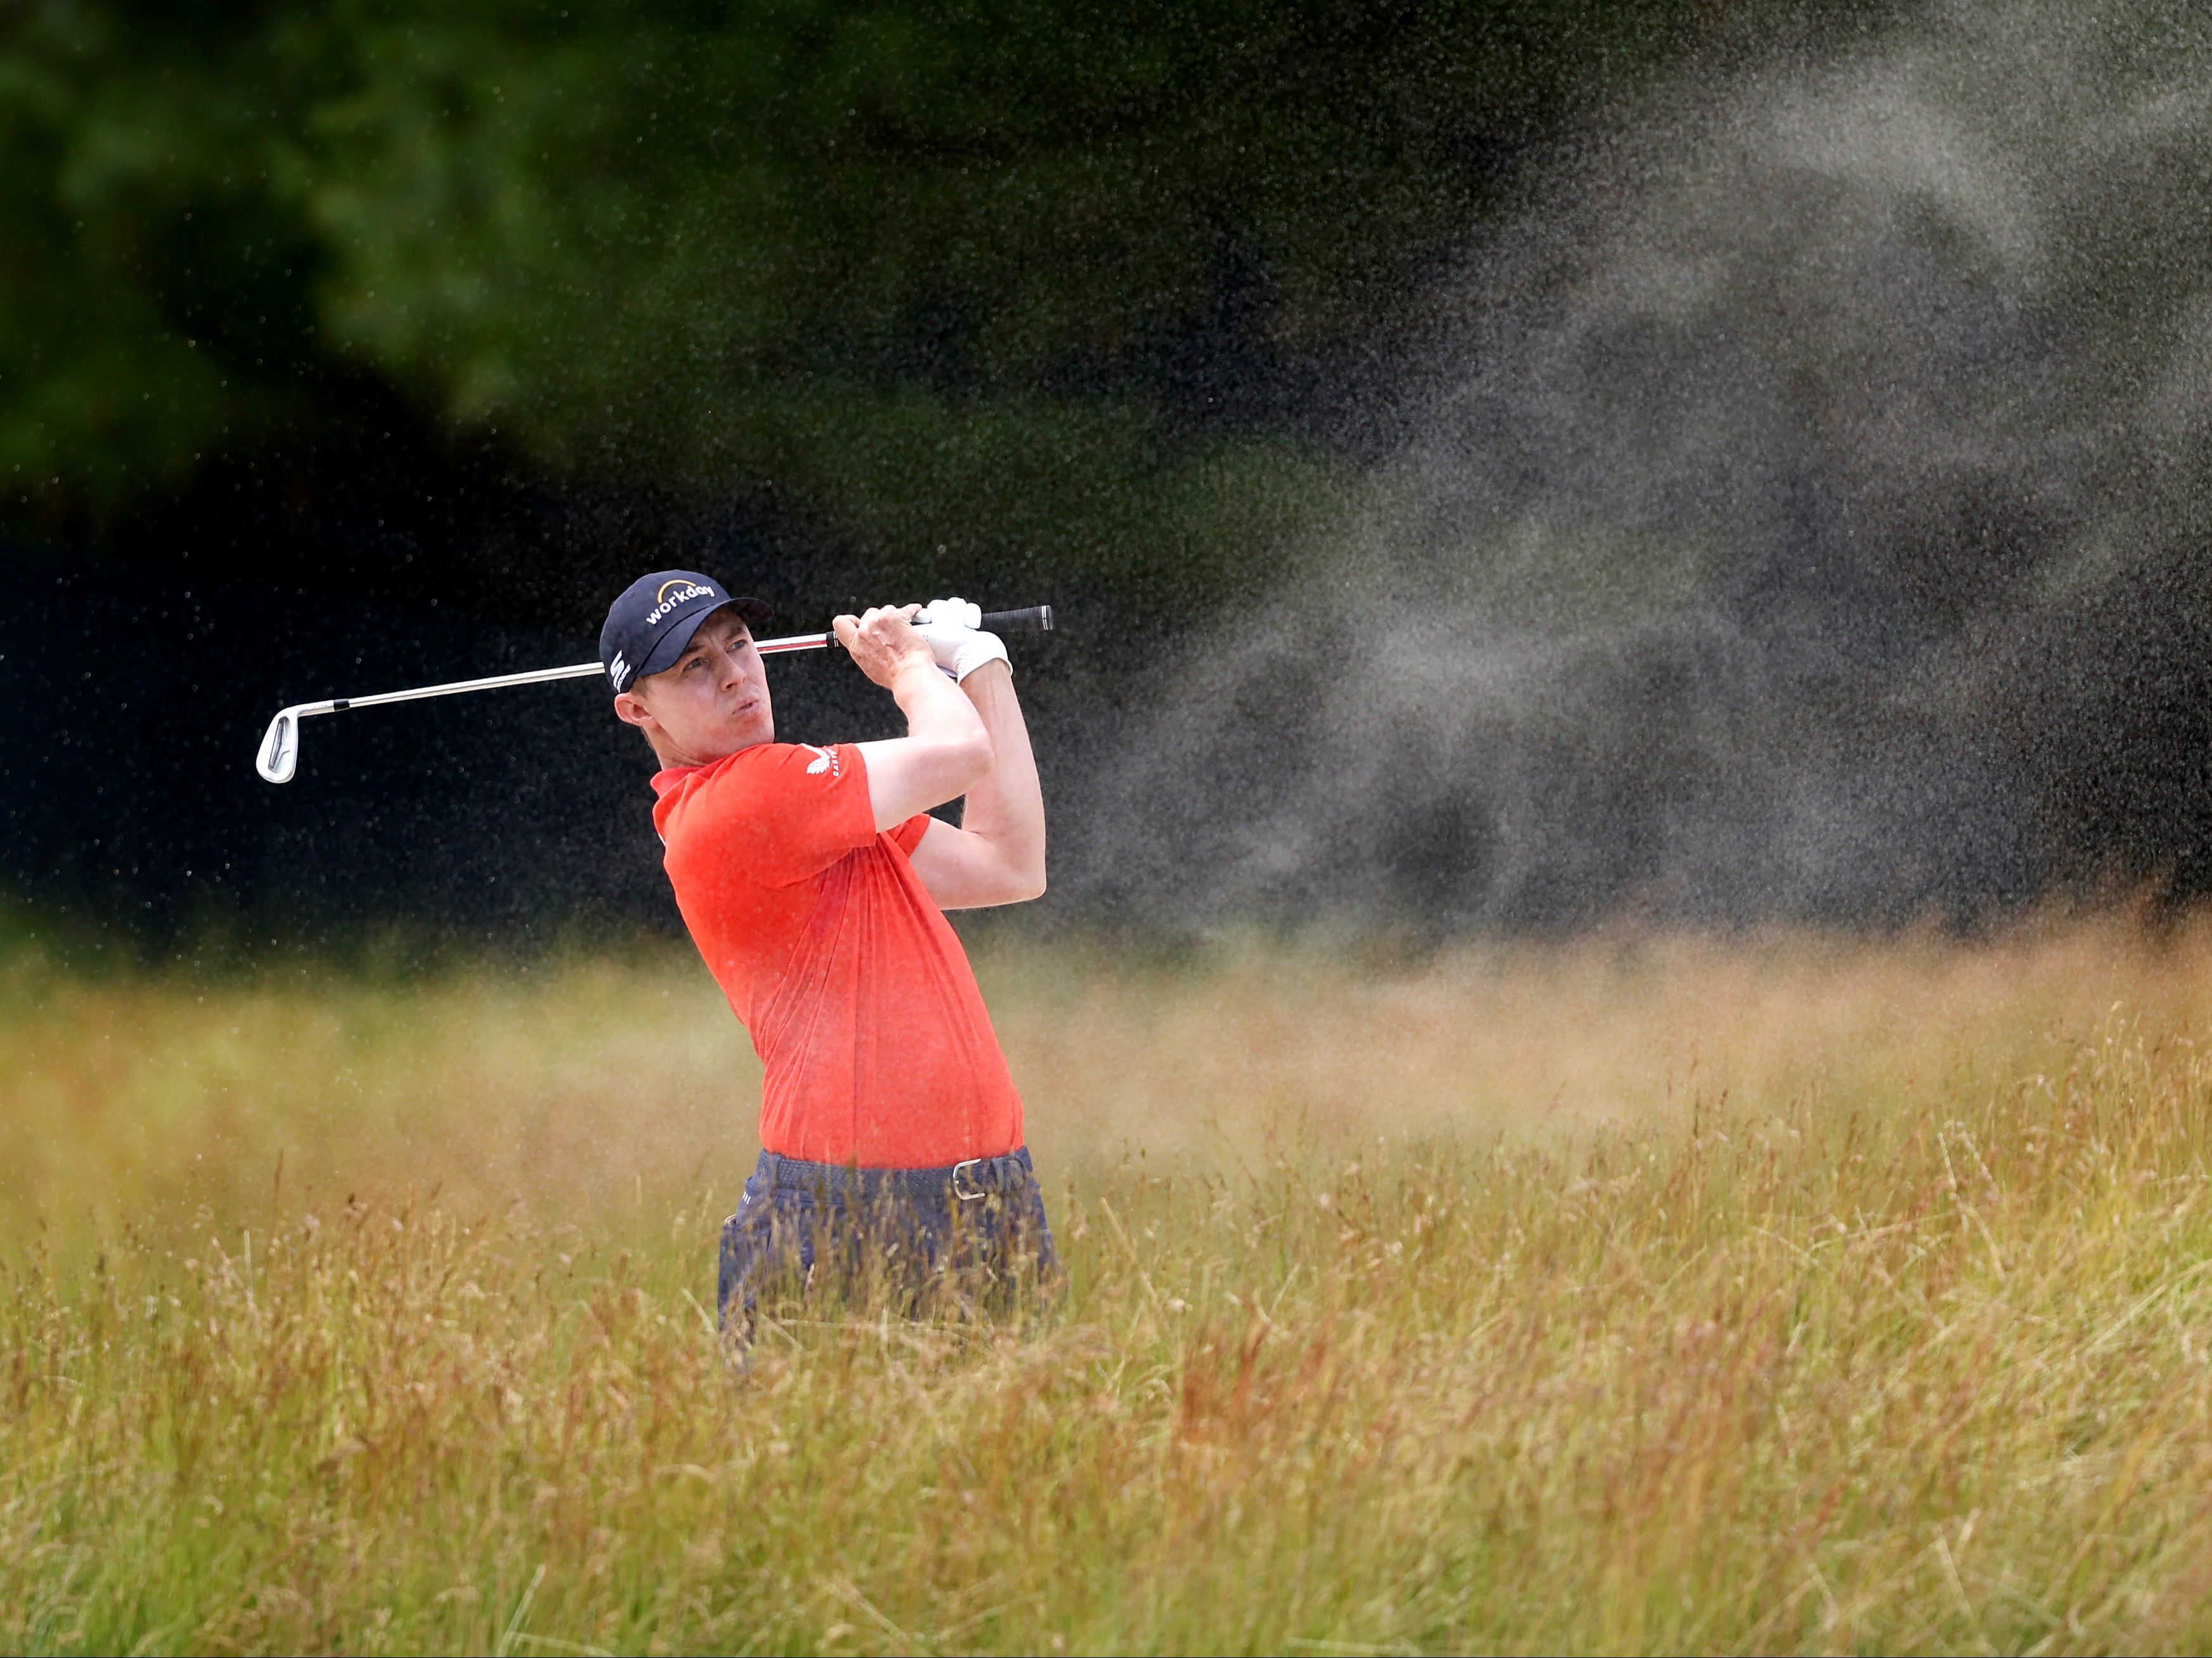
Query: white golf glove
x=959 y=612
x=956 y=639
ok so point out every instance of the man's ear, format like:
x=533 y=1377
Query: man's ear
x=630 y=709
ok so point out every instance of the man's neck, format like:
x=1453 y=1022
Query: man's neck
x=673 y=759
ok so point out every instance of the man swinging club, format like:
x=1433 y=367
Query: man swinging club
x=814 y=884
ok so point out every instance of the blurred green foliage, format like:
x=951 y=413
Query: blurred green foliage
x=1024 y=274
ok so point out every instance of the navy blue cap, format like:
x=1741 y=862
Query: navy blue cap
x=649 y=625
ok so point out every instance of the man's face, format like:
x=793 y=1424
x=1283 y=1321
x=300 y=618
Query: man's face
x=713 y=701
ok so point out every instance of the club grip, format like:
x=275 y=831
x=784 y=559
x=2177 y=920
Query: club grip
x=1037 y=619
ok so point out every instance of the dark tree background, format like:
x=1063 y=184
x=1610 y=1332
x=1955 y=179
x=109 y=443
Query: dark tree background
x=348 y=344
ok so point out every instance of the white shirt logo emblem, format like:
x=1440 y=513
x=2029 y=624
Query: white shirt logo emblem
x=824 y=760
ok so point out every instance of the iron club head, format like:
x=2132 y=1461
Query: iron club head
x=280 y=747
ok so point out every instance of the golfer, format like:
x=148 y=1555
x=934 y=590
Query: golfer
x=814 y=883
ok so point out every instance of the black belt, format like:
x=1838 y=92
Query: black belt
x=969 y=1181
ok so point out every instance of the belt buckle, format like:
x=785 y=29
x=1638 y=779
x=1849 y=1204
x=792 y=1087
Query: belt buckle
x=961 y=1192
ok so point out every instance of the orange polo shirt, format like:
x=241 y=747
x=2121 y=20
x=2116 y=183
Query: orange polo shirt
x=859 y=997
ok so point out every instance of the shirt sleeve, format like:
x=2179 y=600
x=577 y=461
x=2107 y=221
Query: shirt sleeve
x=908 y=835
x=782 y=811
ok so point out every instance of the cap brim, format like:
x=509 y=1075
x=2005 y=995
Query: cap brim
x=754 y=612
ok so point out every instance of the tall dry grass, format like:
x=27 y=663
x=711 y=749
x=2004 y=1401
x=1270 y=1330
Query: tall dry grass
x=1770 y=1294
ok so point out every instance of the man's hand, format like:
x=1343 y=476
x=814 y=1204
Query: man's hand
x=956 y=638
x=958 y=611
x=884 y=644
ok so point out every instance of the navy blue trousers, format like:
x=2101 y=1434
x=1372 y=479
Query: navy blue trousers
x=973 y=1233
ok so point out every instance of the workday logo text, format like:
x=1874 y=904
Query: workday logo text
x=673 y=594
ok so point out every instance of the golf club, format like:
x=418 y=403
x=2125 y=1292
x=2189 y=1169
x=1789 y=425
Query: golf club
x=279 y=755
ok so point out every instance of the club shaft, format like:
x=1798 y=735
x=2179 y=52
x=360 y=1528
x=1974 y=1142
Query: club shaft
x=491 y=683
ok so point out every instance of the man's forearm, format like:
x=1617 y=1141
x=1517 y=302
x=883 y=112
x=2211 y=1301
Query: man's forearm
x=1006 y=807
x=934 y=709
